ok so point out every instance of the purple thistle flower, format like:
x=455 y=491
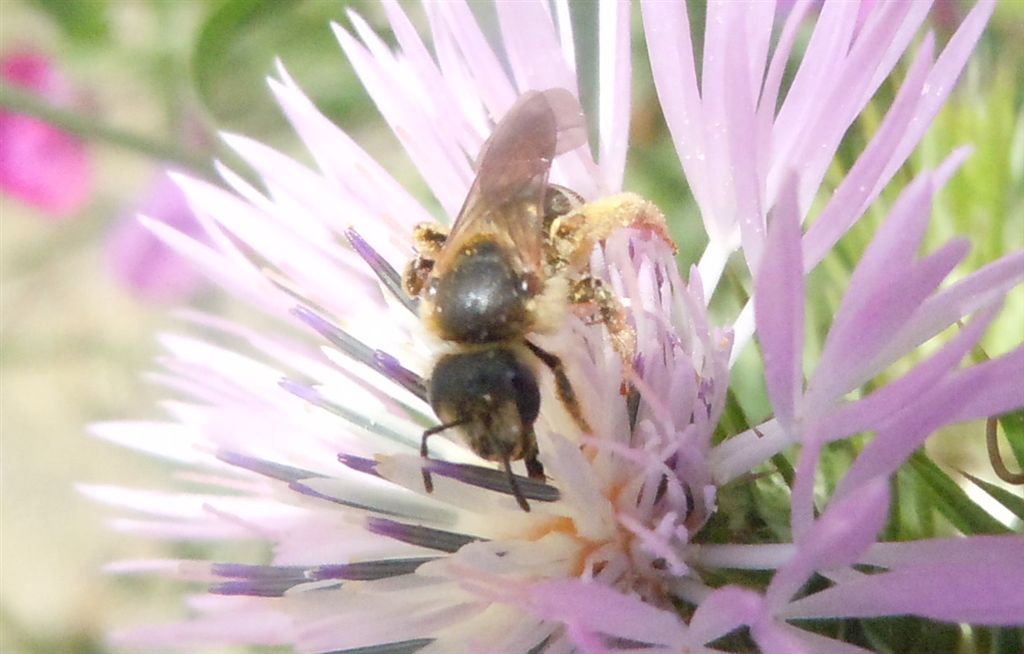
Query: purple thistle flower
x=324 y=466
x=42 y=166
x=142 y=262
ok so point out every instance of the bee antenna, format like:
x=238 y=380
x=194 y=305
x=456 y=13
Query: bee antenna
x=514 y=483
x=428 y=483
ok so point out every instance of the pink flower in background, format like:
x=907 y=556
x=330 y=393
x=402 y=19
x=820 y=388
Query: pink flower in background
x=613 y=556
x=39 y=164
x=145 y=264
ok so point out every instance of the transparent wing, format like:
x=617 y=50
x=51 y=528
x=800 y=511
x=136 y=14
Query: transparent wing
x=512 y=172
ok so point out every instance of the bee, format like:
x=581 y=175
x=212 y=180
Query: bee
x=509 y=267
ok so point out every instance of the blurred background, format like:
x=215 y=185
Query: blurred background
x=101 y=98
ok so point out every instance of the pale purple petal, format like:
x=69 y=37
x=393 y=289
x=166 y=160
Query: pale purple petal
x=945 y=551
x=880 y=270
x=838 y=538
x=142 y=262
x=667 y=31
x=606 y=611
x=245 y=621
x=979 y=592
x=779 y=307
x=983 y=287
x=895 y=442
x=740 y=115
x=213 y=263
x=1001 y=385
x=341 y=160
x=884 y=314
x=534 y=52
x=449 y=110
x=444 y=166
x=870 y=412
x=801 y=509
x=941 y=81
x=455 y=18
x=773 y=638
x=773 y=81
x=722 y=21
x=830 y=40
x=724 y=610
x=854 y=193
x=614 y=103
x=838 y=101
x=533 y=47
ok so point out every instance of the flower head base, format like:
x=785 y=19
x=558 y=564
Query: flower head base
x=611 y=557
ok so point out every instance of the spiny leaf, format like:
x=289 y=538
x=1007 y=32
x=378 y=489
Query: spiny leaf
x=951 y=500
x=1014 y=502
x=1013 y=427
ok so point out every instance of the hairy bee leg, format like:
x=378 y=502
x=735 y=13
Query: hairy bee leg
x=428 y=240
x=514 y=484
x=572 y=237
x=601 y=305
x=563 y=387
x=414 y=277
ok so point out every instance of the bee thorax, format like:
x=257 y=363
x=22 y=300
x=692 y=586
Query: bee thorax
x=481 y=298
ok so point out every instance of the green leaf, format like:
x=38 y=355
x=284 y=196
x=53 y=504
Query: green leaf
x=82 y=21
x=235 y=51
x=1013 y=427
x=910 y=635
x=951 y=500
x=1014 y=502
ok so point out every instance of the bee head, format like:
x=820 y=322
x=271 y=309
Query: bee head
x=493 y=396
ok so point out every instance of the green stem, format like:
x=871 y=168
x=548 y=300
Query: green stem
x=24 y=102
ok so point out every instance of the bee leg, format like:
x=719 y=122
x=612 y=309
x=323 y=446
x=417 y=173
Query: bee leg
x=514 y=484
x=559 y=201
x=600 y=305
x=572 y=237
x=428 y=483
x=563 y=387
x=414 y=277
x=534 y=468
x=427 y=239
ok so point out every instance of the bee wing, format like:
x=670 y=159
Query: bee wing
x=512 y=172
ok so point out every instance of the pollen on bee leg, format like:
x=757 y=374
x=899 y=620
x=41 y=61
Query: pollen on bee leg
x=429 y=239
x=573 y=237
x=596 y=303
